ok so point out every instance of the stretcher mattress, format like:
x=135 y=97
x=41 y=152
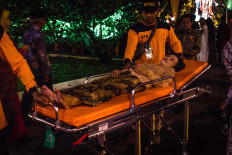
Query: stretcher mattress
x=85 y=114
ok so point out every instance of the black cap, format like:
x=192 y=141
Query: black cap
x=38 y=14
x=150 y=6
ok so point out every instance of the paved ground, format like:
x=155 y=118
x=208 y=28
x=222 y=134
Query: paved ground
x=205 y=136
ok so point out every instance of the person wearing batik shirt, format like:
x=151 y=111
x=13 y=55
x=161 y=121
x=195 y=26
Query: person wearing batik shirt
x=37 y=57
x=190 y=39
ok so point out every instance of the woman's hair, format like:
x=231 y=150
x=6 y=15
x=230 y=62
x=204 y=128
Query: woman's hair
x=180 y=64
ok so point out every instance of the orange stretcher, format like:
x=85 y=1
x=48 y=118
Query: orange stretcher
x=126 y=109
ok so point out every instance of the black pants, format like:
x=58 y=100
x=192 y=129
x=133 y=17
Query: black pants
x=3 y=142
x=27 y=99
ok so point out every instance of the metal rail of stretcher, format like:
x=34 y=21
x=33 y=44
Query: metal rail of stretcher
x=134 y=114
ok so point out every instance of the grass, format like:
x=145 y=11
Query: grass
x=66 y=69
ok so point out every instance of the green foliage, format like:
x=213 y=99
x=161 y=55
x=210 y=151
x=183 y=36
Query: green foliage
x=69 y=20
x=73 y=21
x=65 y=69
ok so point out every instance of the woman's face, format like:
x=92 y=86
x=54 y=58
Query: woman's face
x=169 y=61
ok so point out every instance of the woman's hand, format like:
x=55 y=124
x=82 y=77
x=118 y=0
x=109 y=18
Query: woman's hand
x=115 y=73
x=139 y=69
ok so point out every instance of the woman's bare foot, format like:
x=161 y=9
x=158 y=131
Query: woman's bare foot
x=54 y=97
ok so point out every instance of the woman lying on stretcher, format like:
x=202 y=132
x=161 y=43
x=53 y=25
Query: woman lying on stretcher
x=120 y=82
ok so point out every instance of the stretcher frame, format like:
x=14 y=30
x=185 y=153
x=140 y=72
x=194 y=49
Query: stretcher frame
x=134 y=114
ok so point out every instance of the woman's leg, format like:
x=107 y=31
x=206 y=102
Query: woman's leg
x=68 y=101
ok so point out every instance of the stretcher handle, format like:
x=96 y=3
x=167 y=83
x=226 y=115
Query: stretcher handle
x=132 y=103
x=195 y=77
x=56 y=112
x=55 y=125
x=94 y=76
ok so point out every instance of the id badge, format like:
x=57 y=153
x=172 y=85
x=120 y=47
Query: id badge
x=149 y=52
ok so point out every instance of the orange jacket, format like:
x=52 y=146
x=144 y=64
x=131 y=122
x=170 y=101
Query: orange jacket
x=140 y=33
x=19 y=66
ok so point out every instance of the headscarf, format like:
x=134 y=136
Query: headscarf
x=4 y=15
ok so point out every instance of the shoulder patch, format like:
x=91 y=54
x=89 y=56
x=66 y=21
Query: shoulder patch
x=1 y=32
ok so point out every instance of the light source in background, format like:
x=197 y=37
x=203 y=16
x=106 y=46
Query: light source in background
x=229 y=4
x=204 y=8
x=173 y=19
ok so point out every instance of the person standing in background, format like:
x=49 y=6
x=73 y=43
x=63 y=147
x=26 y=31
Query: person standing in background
x=190 y=39
x=37 y=57
x=204 y=54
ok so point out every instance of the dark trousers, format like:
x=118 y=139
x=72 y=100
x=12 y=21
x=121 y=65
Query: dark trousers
x=27 y=99
x=3 y=142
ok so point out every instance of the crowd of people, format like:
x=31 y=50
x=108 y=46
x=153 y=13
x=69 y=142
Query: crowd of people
x=203 y=38
x=187 y=40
